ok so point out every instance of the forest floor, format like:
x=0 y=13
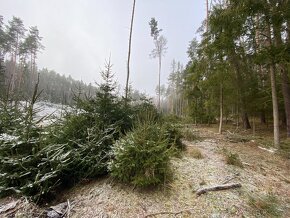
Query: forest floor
x=264 y=177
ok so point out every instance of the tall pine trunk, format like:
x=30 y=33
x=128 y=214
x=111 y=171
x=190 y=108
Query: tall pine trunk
x=159 y=73
x=274 y=91
x=286 y=96
x=240 y=86
x=275 y=106
x=129 y=52
x=285 y=78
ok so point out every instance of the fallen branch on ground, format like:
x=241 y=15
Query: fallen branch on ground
x=271 y=150
x=247 y=164
x=217 y=188
x=168 y=212
x=228 y=179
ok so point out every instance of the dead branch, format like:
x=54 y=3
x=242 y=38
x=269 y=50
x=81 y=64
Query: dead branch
x=68 y=209
x=228 y=179
x=217 y=188
x=271 y=150
x=247 y=164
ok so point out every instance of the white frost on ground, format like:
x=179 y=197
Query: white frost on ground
x=6 y=137
x=47 y=108
x=50 y=110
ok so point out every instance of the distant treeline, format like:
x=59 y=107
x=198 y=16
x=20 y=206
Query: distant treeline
x=61 y=89
x=18 y=71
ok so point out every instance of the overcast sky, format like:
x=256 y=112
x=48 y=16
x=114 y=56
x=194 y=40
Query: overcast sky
x=79 y=35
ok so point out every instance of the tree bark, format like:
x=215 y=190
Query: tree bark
x=221 y=108
x=286 y=96
x=263 y=117
x=129 y=52
x=275 y=106
x=159 y=72
x=239 y=81
x=207 y=14
x=285 y=79
x=246 y=122
x=274 y=91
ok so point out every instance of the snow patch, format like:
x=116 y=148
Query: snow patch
x=8 y=138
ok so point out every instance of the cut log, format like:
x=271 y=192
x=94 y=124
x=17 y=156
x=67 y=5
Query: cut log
x=217 y=188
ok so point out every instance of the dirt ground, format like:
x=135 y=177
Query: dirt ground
x=265 y=175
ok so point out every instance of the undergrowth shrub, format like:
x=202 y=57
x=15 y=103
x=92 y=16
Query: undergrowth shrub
x=172 y=118
x=232 y=158
x=173 y=134
x=142 y=157
x=39 y=174
x=39 y=161
x=188 y=134
x=10 y=118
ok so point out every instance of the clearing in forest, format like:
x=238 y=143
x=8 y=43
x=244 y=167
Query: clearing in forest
x=263 y=175
x=265 y=190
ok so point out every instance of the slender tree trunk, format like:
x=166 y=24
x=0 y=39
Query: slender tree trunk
x=254 y=126
x=159 y=73
x=263 y=117
x=286 y=83
x=207 y=14
x=275 y=106
x=239 y=81
x=221 y=108
x=129 y=52
x=286 y=96
x=246 y=122
x=285 y=79
x=288 y=30
x=273 y=89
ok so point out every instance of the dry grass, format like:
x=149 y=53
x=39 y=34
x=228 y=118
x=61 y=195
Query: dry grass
x=23 y=208
x=266 y=205
x=195 y=153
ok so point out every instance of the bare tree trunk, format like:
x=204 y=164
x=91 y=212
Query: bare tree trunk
x=239 y=81
x=263 y=117
x=273 y=88
x=246 y=122
x=207 y=15
x=221 y=108
x=288 y=30
x=286 y=96
x=129 y=51
x=275 y=106
x=159 y=72
x=285 y=78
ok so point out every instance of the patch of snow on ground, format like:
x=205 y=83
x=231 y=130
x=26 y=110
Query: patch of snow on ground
x=6 y=137
x=47 y=108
